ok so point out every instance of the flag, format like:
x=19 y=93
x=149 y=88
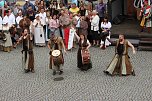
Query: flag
x=69 y=36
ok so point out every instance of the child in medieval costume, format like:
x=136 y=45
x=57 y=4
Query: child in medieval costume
x=55 y=44
x=145 y=13
x=27 y=52
x=121 y=62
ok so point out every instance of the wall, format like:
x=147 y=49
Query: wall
x=116 y=8
x=125 y=7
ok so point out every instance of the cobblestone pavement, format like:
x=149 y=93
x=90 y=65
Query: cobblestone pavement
x=92 y=85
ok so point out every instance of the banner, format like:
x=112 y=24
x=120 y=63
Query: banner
x=71 y=37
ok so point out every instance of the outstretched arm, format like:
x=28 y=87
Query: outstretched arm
x=18 y=42
x=77 y=36
x=133 y=48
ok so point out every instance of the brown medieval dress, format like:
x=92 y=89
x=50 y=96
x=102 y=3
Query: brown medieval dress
x=57 y=65
x=121 y=62
x=27 y=54
x=83 y=67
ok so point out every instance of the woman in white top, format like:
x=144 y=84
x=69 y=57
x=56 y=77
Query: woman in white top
x=105 y=26
x=95 y=28
x=38 y=31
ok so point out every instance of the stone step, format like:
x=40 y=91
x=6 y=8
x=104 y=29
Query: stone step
x=133 y=35
x=145 y=42
x=146 y=39
x=145 y=48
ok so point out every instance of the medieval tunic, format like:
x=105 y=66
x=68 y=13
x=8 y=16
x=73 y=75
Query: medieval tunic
x=82 y=44
x=121 y=63
x=27 y=53
x=39 y=33
x=56 y=45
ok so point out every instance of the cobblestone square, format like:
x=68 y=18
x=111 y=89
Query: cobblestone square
x=92 y=85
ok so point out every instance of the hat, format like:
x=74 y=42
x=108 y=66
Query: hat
x=37 y=15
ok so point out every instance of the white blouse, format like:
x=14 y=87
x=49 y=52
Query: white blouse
x=106 y=25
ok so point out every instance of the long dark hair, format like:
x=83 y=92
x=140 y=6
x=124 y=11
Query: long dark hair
x=105 y=21
x=85 y=41
x=26 y=29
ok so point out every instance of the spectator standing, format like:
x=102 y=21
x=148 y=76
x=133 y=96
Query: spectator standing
x=101 y=9
x=30 y=13
x=54 y=26
x=26 y=5
x=95 y=28
x=74 y=8
x=105 y=26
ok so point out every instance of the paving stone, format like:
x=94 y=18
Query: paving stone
x=92 y=85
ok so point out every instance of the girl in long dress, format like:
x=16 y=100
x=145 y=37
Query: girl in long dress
x=38 y=31
x=105 y=26
x=84 y=44
x=7 y=45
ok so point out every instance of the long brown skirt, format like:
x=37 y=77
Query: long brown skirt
x=120 y=65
